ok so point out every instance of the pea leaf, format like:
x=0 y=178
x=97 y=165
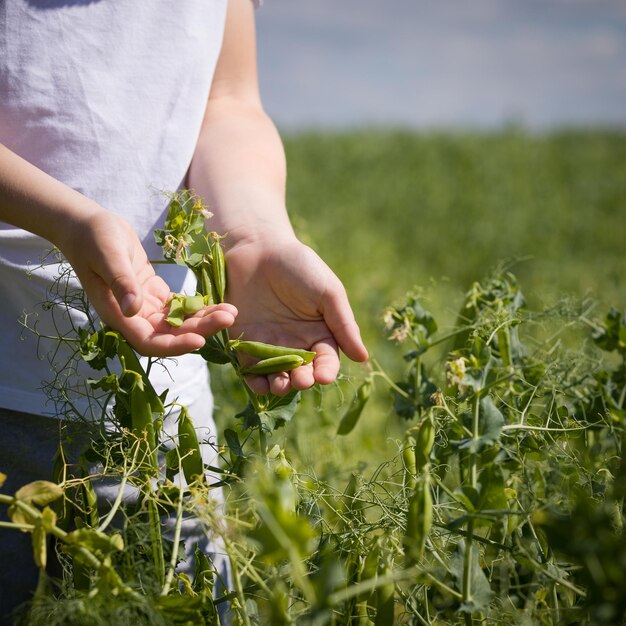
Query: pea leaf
x=39 y=492
x=232 y=440
x=481 y=593
x=490 y=423
x=279 y=411
x=96 y=541
x=213 y=352
x=491 y=489
x=413 y=400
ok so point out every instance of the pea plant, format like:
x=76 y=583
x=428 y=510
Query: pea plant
x=502 y=500
x=507 y=504
x=121 y=557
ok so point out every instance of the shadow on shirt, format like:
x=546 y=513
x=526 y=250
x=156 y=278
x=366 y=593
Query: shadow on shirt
x=57 y=4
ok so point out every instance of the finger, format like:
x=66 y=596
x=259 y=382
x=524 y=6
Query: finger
x=161 y=340
x=303 y=377
x=280 y=383
x=206 y=323
x=209 y=320
x=125 y=281
x=156 y=344
x=258 y=384
x=340 y=320
x=326 y=362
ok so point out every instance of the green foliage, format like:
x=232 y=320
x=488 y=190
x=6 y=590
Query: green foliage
x=478 y=476
x=503 y=501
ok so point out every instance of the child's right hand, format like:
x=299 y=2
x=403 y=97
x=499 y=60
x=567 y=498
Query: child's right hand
x=122 y=286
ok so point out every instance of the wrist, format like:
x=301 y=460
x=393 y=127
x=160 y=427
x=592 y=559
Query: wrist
x=260 y=234
x=72 y=222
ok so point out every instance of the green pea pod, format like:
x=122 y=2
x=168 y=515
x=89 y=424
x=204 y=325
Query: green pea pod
x=189 y=448
x=91 y=503
x=192 y=304
x=385 y=600
x=140 y=407
x=410 y=466
x=352 y=415
x=176 y=314
x=219 y=270
x=267 y=350
x=204 y=575
x=424 y=440
x=141 y=424
x=206 y=284
x=419 y=520
x=145 y=408
x=40 y=552
x=156 y=540
x=274 y=365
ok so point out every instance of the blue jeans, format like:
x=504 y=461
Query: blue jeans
x=28 y=444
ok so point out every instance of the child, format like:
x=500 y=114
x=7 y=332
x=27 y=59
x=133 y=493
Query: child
x=102 y=104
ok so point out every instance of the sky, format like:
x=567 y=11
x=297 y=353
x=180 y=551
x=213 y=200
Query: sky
x=443 y=63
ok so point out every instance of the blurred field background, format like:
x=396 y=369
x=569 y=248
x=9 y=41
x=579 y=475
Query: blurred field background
x=392 y=211
x=429 y=142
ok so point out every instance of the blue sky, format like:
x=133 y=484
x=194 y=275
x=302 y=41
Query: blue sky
x=446 y=63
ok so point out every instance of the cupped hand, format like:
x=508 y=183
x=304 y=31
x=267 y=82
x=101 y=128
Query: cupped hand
x=121 y=284
x=286 y=295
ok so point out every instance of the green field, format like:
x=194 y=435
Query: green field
x=391 y=211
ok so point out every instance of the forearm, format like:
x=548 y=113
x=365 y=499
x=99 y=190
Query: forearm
x=239 y=169
x=33 y=200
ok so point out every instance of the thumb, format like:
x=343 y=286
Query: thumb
x=128 y=294
x=121 y=277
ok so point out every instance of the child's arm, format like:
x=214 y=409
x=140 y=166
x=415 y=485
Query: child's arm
x=284 y=292
x=107 y=257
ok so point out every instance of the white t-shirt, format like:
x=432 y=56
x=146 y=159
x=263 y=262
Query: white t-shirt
x=108 y=97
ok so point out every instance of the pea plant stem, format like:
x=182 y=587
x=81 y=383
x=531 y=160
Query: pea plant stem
x=237 y=583
x=177 y=530
x=472 y=465
x=120 y=495
x=15 y=526
x=379 y=372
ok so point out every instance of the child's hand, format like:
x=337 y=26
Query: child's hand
x=122 y=286
x=288 y=296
